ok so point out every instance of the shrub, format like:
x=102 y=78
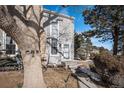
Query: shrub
x=109 y=67
x=80 y=53
x=92 y=55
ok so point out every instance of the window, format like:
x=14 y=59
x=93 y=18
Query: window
x=66 y=51
x=54 y=29
x=53 y=46
x=10 y=45
x=54 y=35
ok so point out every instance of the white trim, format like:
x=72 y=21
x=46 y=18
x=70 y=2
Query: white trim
x=16 y=48
x=58 y=14
x=4 y=40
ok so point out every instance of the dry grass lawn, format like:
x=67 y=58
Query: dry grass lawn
x=59 y=78
x=11 y=79
x=54 y=78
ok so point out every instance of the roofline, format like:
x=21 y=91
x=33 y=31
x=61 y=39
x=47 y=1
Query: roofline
x=59 y=14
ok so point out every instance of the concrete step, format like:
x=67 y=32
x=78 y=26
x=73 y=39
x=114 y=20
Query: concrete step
x=86 y=83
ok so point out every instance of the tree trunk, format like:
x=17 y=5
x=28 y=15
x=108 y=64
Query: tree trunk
x=115 y=41
x=123 y=43
x=28 y=46
x=33 y=76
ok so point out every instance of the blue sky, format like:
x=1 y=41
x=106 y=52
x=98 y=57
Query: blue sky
x=76 y=12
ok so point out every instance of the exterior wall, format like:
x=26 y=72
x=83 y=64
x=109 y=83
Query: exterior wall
x=66 y=36
x=47 y=19
x=42 y=35
x=2 y=41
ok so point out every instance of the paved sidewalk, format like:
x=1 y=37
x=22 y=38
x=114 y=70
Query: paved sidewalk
x=84 y=82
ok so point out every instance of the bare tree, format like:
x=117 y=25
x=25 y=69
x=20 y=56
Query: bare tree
x=23 y=24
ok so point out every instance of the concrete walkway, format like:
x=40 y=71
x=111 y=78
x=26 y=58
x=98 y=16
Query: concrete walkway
x=84 y=82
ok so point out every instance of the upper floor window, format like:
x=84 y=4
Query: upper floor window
x=54 y=29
